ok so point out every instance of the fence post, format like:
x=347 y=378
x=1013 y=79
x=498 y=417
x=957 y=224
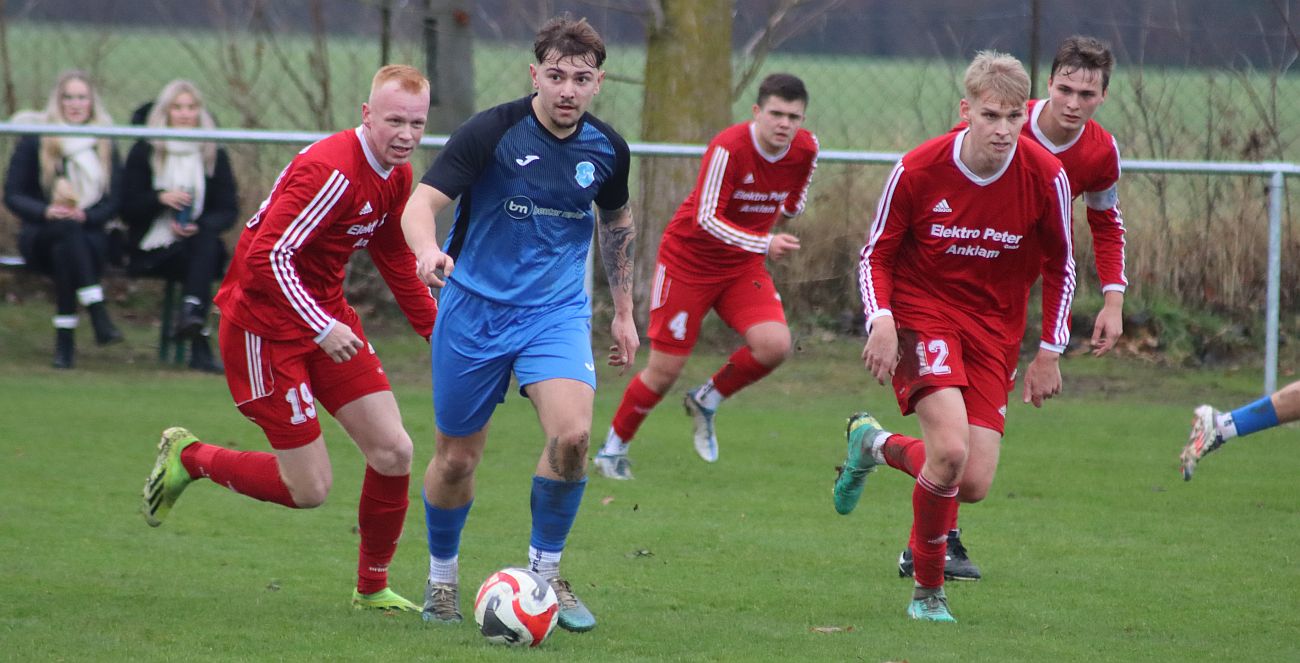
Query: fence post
x=1276 y=191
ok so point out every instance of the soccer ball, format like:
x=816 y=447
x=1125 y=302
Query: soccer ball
x=516 y=607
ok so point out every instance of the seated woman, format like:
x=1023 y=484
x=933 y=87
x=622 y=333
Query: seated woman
x=178 y=197
x=64 y=189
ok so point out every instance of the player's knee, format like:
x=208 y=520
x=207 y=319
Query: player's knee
x=455 y=465
x=393 y=459
x=972 y=494
x=947 y=461
x=659 y=380
x=772 y=352
x=566 y=453
x=310 y=493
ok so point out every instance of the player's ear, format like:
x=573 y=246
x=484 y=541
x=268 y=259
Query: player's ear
x=963 y=111
x=532 y=73
x=757 y=109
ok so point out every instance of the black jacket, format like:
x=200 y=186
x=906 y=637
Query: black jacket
x=24 y=197
x=140 y=205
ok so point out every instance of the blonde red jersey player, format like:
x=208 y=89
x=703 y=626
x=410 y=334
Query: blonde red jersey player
x=286 y=278
x=966 y=249
x=725 y=225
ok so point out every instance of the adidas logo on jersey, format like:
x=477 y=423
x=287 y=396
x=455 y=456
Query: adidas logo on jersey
x=749 y=179
x=365 y=209
x=942 y=207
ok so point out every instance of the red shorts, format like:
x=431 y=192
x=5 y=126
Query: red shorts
x=940 y=356
x=276 y=384
x=678 y=306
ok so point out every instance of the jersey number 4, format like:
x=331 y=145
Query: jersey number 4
x=938 y=348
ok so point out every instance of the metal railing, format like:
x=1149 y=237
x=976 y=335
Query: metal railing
x=1275 y=171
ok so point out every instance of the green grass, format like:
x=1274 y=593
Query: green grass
x=1092 y=546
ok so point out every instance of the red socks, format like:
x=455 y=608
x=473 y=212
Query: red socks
x=637 y=402
x=904 y=453
x=740 y=371
x=379 y=517
x=252 y=473
x=933 y=507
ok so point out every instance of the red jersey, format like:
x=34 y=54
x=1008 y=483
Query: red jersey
x=286 y=279
x=950 y=244
x=725 y=225
x=1091 y=162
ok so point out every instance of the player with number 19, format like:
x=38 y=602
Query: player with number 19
x=291 y=343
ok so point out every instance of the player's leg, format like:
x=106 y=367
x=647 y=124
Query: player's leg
x=470 y=368
x=944 y=427
x=1212 y=428
x=268 y=381
x=564 y=410
x=751 y=306
x=642 y=394
x=375 y=425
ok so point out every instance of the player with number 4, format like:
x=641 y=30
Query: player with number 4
x=965 y=225
x=292 y=344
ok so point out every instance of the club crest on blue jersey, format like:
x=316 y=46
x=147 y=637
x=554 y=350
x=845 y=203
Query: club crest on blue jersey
x=519 y=207
x=585 y=174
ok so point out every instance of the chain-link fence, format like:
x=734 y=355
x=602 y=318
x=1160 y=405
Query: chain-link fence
x=1196 y=79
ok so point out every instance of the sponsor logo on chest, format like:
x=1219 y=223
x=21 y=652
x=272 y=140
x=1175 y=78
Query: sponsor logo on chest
x=759 y=202
x=364 y=231
x=982 y=237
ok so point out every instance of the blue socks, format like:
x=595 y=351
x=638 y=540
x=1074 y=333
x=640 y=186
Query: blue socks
x=555 y=506
x=1255 y=417
x=444 y=526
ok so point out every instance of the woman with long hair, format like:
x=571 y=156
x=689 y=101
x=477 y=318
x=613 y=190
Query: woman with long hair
x=65 y=189
x=178 y=196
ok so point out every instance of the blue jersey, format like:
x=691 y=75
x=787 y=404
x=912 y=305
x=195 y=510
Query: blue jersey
x=524 y=222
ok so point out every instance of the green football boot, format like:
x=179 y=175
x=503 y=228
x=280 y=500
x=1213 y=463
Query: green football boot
x=574 y=615
x=860 y=432
x=169 y=477
x=385 y=599
x=932 y=608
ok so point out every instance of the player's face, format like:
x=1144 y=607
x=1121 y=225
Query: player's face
x=565 y=87
x=183 y=111
x=393 y=122
x=75 y=101
x=776 y=122
x=995 y=126
x=1073 y=97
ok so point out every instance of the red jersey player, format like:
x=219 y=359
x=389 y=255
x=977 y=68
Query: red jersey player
x=289 y=340
x=965 y=225
x=1063 y=124
x=712 y=257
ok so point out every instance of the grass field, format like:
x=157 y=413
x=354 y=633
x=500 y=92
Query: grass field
x=1093 y=548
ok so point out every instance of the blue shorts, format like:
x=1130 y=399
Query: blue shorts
x=477 y=343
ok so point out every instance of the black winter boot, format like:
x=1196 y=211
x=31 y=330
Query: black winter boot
x=64 y=348
x=105 y=331
x=190 y=321
x=201 y=357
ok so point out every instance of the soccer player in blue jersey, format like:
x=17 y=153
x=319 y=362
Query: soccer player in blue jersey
x=527 y=173
x=1211 y=428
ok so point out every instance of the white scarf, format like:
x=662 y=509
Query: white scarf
x=181 y=169
x=83 y=169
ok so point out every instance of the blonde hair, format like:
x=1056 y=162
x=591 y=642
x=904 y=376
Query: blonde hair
x=159 y=118
x=51 y=154
x=998 y=74
x=409 y=79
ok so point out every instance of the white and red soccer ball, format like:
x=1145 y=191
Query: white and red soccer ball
x=516 y=607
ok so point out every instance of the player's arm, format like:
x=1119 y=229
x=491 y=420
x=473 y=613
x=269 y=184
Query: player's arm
x=396 y=264
x=294 y=216
x=876 y=273
x=420 y=228
x=617 y=233
x=1043 y=375
x=715 y=184
x=1107 y=226
x=795 y=203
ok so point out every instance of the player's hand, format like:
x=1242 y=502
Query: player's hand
x=1109 y=325
x=176 y=199
x=781 y=245
x=427 y=264
x=626 y=341
x=1043 y=377
x=880 y=354
x=341 y=344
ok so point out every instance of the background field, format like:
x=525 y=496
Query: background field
x=1092 y=546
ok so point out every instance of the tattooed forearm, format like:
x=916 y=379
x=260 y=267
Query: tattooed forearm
x=617 y=234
